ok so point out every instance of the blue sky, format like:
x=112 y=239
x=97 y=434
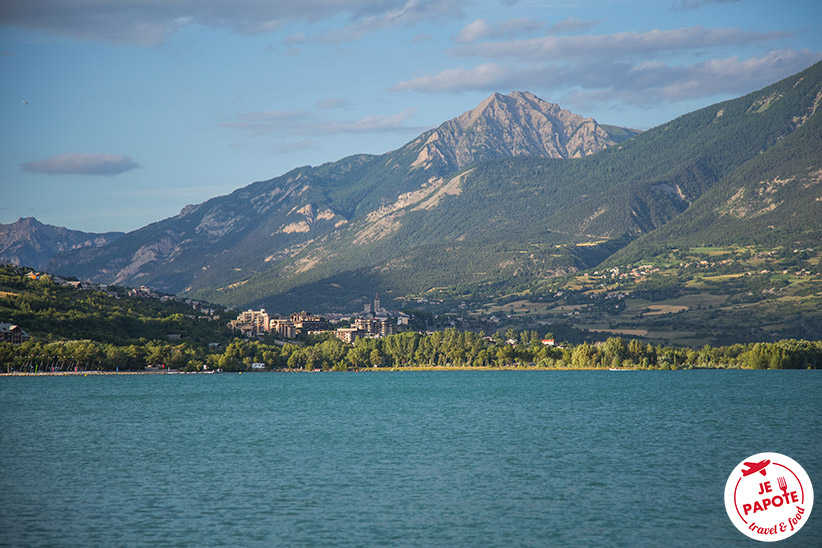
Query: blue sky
x=118 y=113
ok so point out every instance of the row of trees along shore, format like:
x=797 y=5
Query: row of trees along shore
x=449 y=348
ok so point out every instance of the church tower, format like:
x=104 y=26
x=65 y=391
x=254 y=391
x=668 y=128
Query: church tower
x=376 y=302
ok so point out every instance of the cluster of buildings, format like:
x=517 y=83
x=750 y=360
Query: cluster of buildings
x=367 y=327
x=12 y=333
x=635 y=272
x=374 y=321
x=256 y=323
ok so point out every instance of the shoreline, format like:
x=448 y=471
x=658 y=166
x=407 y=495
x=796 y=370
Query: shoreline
x=86 y=373
x=366 y=370
x=375 y=370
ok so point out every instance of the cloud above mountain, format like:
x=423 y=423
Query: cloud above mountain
x=406 y=13
x=480 y=29
x=631 y=67
x=656 y=80
x=82 y=164
x=617 y=45
x=309 y=123
x=685 y=5
x=146 y=22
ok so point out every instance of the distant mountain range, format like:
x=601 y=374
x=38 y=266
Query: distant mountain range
x=512 y=191
x=29 y=242
x=262 y=226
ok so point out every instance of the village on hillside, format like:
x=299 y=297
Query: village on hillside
x=374 y=321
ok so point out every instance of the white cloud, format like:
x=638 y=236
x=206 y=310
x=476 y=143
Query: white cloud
x=636 y=83
x=410 y=13
x=652 y=82
x=616 y=45
x=632 y=67
x=333 y=103
x=296 y=123
x=484 y=77
x=731 y=75
x=477 y=29
x=149 y=22
x=480 y=29
x=295 y=39
x=291 y=147
x=572 y=24
x=372 y=124
x=258 y=123
x=82 y=164
x=685 y=5
x=295 y=131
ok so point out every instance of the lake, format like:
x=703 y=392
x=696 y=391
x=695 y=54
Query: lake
x=485 y=458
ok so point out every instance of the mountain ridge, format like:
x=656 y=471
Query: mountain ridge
x=29 y=242
x=550 y=211
x=421 y=218
x=287 y=213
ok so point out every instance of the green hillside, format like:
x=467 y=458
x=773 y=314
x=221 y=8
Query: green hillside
x=732 y=188
x=93 y=330
x=257 y=232
x=509 y=224
x=775 y=199
x=48 y=311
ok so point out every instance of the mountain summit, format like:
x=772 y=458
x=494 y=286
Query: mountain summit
x=220 y=244
x=519 y=124
x=514 y=191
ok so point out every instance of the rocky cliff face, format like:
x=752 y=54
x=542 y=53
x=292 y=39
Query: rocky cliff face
x=28 y=242
x=227 y=241
x=519 y=124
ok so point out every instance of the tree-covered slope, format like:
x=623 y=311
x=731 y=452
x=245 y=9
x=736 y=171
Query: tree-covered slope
x=502 y=223
x=225 y=241
x=773 y=200
x=406 y=222
x=48 y=311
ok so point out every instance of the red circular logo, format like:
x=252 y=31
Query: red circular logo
x=768 y=496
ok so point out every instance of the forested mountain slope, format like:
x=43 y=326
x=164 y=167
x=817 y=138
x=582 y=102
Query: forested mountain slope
x=500 y=224
x=491 y=201
x=224 y=241
x=774 y=200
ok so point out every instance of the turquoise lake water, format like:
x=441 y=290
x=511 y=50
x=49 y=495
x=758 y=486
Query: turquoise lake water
x=490 y=458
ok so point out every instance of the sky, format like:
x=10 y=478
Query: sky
x=118 y=113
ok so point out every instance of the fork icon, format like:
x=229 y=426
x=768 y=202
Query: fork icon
x=783 y=485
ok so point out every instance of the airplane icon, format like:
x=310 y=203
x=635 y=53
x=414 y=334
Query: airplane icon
x=754 y=467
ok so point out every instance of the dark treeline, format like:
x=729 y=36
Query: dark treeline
x=449 y=348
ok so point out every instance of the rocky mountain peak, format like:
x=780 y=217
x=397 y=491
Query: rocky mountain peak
x=518 y=124
x=503 y=108
x=27 y=223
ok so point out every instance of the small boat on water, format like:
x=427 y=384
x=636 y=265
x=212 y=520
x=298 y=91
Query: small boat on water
x=620 y=369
